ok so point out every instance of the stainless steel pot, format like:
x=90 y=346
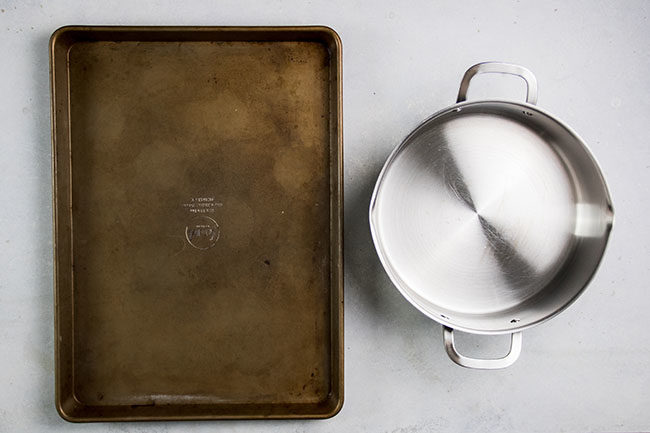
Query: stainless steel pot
x=491 y=216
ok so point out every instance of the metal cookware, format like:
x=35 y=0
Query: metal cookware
x=491 y=216
x=198 y=204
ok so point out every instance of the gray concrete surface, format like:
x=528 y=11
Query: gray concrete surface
x=586 y=370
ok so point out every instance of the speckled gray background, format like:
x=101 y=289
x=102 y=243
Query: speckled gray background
x=586 y=370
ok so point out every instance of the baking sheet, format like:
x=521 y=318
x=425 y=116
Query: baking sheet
x=198 y=202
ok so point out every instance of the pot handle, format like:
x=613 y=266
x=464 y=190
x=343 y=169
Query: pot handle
x=500 y=68
x=484 y=364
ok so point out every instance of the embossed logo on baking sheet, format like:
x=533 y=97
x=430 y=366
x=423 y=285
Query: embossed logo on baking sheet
x=202 y=231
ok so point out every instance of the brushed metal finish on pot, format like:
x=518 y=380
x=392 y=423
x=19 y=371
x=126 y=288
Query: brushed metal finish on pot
x=491 y=216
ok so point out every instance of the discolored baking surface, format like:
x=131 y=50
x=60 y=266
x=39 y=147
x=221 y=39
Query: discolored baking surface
x=202 y=241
